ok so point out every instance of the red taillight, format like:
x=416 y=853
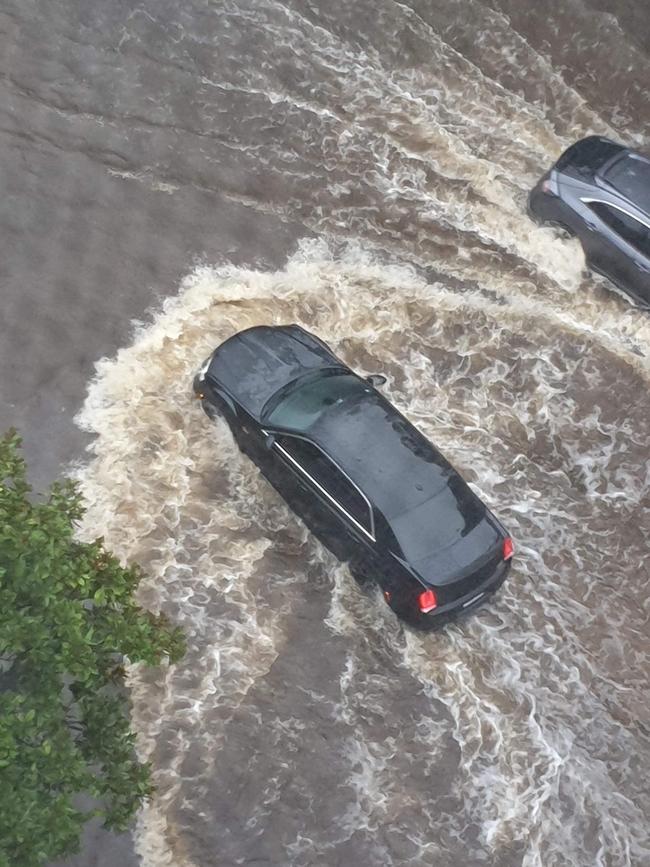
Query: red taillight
x=508 y=548
x=427 y=601
x=549 y=185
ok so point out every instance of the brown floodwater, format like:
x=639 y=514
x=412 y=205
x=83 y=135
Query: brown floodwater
x=305 y=726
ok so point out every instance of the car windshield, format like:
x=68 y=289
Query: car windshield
x=302 y=403
x=631 y=177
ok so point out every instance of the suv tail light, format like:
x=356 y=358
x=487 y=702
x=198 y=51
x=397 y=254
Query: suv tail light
x=508 y=548
x=427 y=601
x=549 y=185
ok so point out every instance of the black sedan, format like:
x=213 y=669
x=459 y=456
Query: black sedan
x=600 y=191
x=406 y=516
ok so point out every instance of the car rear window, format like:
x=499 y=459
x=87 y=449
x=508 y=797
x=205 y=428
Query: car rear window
x=449 y=518
x=630 y=176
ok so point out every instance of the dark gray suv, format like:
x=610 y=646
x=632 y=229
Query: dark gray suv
x=600 y=191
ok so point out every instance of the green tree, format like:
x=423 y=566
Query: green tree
x=68 y=622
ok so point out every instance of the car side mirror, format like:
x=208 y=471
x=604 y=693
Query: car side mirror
x=376 y=379
x=269 y=441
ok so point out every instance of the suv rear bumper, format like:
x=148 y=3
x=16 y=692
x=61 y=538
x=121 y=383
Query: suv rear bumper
x=542 y=207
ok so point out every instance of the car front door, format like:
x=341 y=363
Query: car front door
x=600 y=242
x=618 y=245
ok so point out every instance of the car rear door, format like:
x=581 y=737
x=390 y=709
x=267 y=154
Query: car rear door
x=329 y=484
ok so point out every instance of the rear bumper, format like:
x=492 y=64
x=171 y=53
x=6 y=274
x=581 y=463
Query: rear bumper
x=478 y=596
x=542 y=207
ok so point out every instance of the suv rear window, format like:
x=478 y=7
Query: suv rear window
x=586 y=156
x=630 y=176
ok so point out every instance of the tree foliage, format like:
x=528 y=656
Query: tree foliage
x=68 y=622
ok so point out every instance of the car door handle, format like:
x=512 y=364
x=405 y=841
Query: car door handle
x=643 y=267
x=591 y=226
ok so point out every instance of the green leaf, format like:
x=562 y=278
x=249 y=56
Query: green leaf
x=64 y=725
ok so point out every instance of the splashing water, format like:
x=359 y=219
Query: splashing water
x=306 y=726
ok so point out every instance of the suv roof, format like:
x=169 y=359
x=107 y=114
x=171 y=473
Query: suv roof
x=609 y=166
x=585 y=157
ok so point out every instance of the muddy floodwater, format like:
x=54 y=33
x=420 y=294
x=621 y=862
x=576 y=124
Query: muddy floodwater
x=367 y=166
x=305 y=726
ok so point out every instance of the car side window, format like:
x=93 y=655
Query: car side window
x=630 y=229
x=337 y=487
x=386 y=535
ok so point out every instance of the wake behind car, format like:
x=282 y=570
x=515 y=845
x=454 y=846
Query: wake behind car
x=600 y=191
x=406 y=515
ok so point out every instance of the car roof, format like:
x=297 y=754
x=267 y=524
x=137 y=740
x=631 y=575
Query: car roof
x=253 y=365
x=396 y=467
